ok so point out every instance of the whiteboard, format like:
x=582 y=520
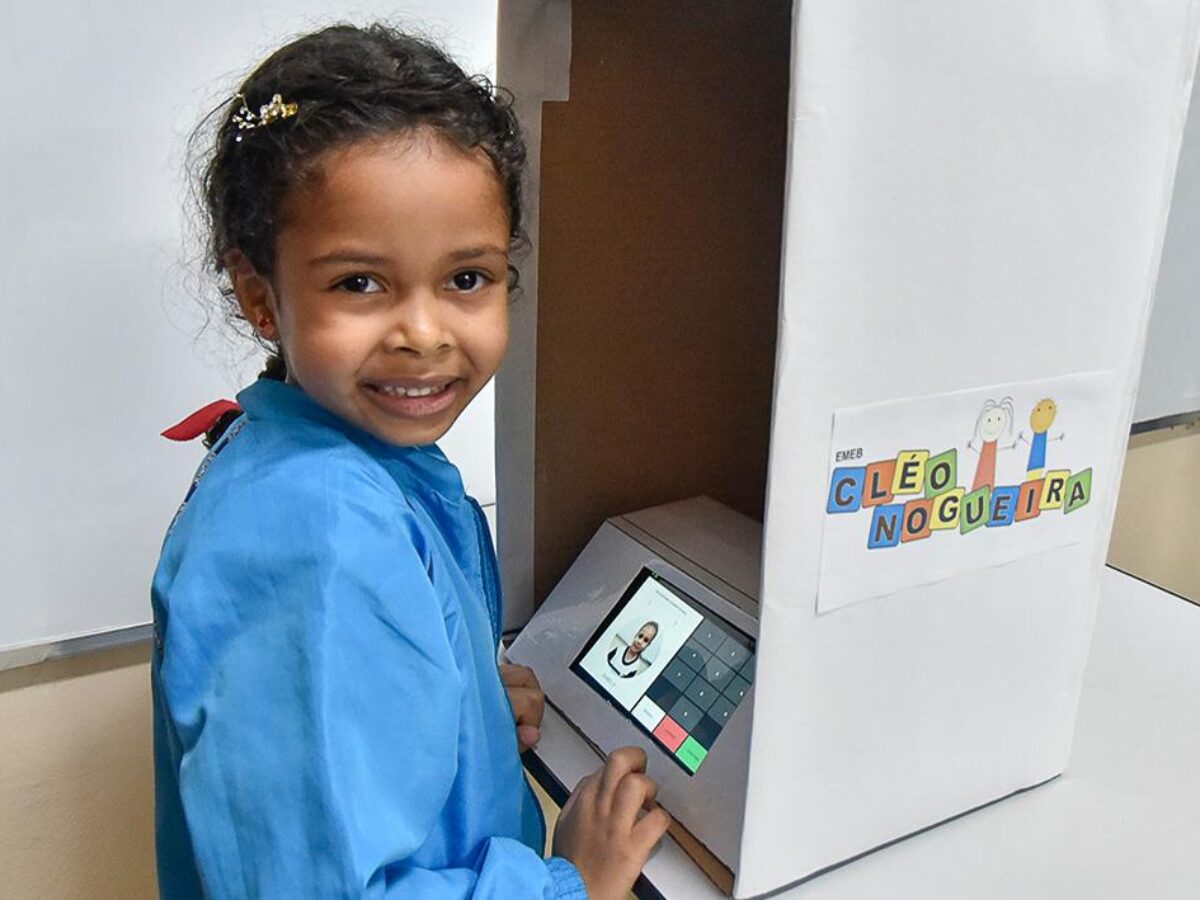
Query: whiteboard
x=100 y=350
x=1170 y=380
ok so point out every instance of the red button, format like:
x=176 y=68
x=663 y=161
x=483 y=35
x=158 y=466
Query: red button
x=671 y=733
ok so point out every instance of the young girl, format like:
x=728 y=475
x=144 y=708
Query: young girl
x=330 y=720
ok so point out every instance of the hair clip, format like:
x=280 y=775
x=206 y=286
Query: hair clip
x=245 y=120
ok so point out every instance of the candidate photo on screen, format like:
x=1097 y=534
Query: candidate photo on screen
x=632 y=658
x=626 y=657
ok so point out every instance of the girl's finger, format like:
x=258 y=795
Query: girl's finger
x=582 y=792
x=620 y=763
x=635 y=793
x=650 y=829
x=529 y=705
x=527 y=737
x=518 y=676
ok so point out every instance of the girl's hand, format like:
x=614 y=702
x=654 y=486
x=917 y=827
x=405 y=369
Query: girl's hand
x=528 y=703
x=610 y=824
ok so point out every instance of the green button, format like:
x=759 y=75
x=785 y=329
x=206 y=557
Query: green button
x=691 y=753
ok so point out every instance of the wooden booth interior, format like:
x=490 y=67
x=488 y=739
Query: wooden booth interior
x=659 y=191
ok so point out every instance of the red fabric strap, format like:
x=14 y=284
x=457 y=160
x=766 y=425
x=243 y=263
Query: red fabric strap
x=200 y=421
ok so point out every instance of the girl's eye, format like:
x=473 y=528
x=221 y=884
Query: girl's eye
x=468 y=281
x=360 y=284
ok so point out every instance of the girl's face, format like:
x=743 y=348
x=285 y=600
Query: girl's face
x=390 y=298
x=642 y=639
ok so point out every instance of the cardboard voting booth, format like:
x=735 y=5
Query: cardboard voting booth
x=877 y=276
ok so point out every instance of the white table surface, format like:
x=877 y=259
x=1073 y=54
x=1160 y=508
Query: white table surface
x=1122 y=822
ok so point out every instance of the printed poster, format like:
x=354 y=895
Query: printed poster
x=922 y=490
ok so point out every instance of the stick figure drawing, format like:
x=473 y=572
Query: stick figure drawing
x=994 y=422
x=1040 y=420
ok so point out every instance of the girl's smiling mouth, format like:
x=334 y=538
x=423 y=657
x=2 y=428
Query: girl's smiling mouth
x=412 y=399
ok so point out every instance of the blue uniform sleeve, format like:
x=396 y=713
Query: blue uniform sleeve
x=309 y=674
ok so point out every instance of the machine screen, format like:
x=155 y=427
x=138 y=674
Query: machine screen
x=674 y=668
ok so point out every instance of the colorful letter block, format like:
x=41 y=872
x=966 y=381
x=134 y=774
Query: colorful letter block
x=941 y=473
x=975 y=508
x=947 y=508
x=1053 y=493
x=917 y=520
x=1079 y=490
x=879 y=483
x=1029 y=500
x=1004 y=506
x=909 y=477
x=885 y=526
x=846 y=489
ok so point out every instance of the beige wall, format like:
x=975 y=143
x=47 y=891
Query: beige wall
x=76 y=781
x=1156 y=535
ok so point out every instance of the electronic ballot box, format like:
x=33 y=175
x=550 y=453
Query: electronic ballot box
x=649 y=640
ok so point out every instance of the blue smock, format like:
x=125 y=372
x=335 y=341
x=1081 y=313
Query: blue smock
x=329 y=718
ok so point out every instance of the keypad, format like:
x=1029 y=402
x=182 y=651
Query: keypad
x=692 y=700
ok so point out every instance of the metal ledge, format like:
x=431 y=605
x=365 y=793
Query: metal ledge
x=34 y=654
x=1175 y=421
